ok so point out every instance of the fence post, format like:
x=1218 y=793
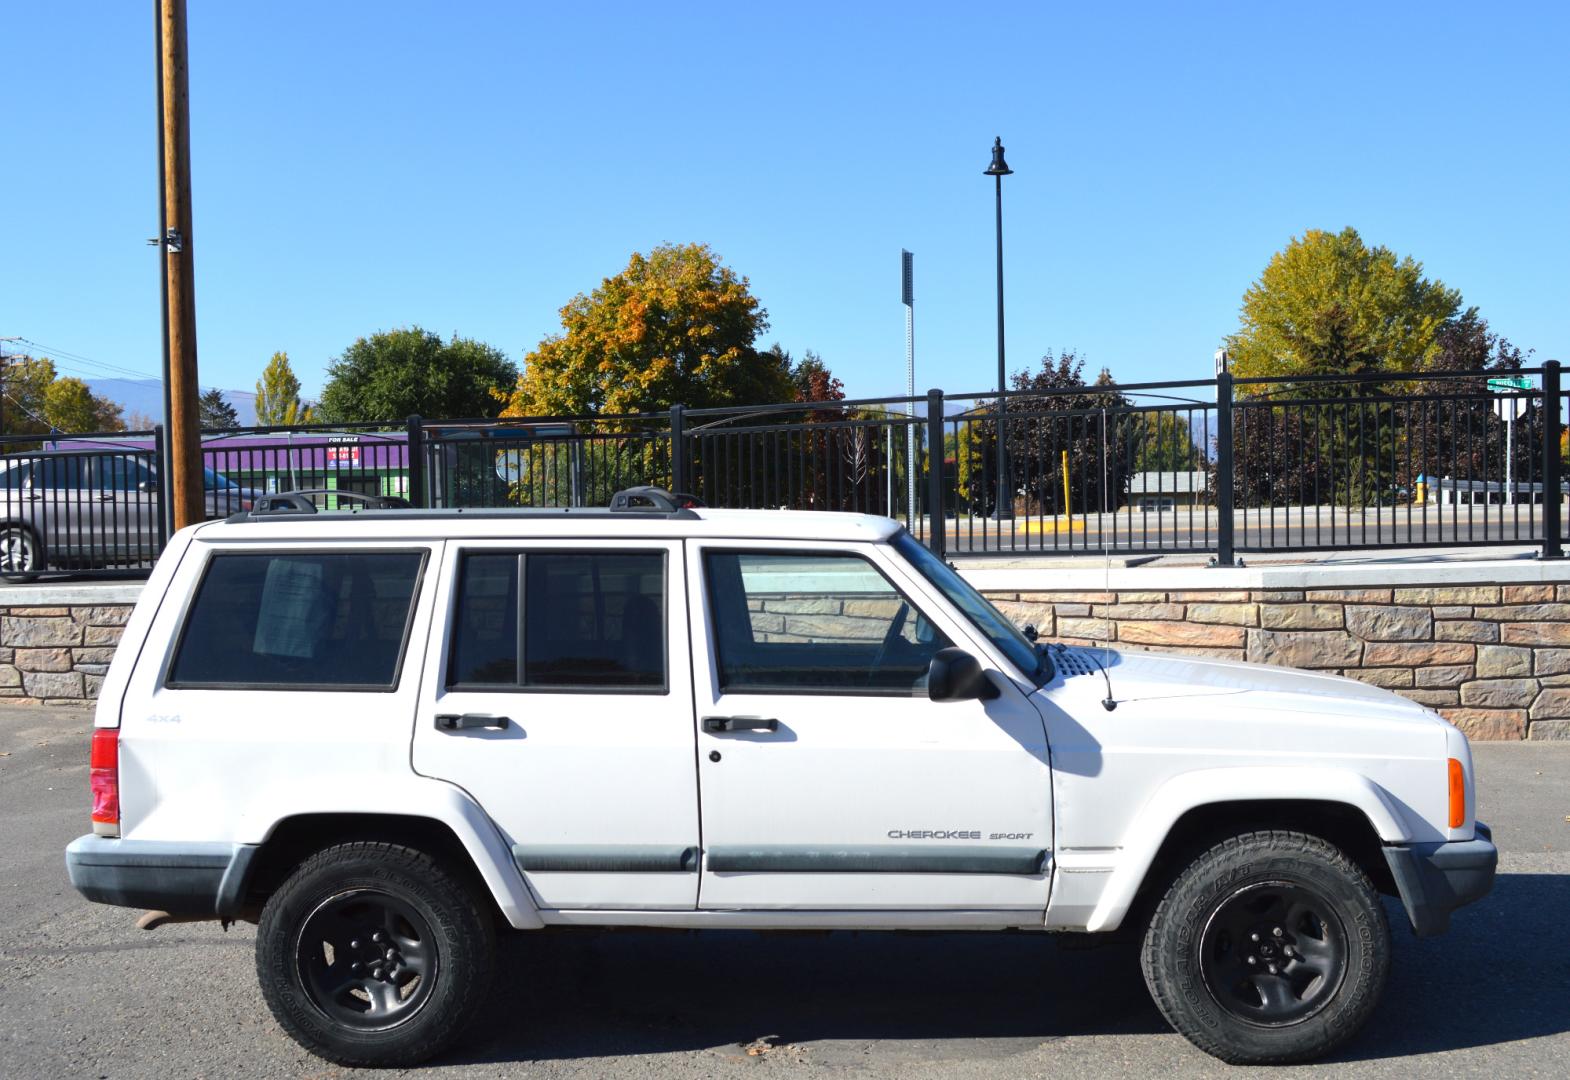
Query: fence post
x=1553 y=543
x=416 y=452
x=1224 y=465
x=678 y=449
x=165 y=507
x=936 y=526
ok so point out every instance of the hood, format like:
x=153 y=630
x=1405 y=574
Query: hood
x=1149 y=679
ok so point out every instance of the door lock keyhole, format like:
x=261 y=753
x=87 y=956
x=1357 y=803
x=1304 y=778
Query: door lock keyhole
x=714 y=755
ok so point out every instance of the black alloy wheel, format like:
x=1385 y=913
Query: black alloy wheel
x=367 y=959
x=1273 y=953
x=1269 y=948
x=374 y=953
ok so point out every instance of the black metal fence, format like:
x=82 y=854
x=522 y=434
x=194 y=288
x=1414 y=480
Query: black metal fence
x=1221 y=466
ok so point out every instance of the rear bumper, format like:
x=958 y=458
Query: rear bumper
x=180 y=878
x=1435 y=879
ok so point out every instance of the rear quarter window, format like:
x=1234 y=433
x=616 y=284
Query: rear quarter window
x=299 y=621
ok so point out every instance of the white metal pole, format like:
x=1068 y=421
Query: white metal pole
x=1509 y=451
x=908 y=295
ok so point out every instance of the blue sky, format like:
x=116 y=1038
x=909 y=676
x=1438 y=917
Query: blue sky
x=469 y=167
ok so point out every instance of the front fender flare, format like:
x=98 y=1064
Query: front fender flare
x=1206 y=787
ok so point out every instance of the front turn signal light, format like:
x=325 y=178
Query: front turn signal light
x=1457 y=794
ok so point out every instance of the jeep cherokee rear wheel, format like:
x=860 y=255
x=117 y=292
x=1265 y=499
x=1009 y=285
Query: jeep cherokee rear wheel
x=1271 y=947
x=373 y=954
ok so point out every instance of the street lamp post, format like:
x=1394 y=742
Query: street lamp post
x=1005 y=502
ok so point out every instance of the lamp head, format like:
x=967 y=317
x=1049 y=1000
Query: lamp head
x=999 y=167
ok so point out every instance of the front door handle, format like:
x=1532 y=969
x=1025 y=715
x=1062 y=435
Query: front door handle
x=720 y=724
x=460 y=721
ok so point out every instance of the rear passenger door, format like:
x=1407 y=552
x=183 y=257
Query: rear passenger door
x=558 y=693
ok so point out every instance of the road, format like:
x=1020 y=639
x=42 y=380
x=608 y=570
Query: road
x=83 y=993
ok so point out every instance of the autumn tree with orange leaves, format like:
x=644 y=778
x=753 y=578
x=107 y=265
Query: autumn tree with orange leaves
x=676 y=326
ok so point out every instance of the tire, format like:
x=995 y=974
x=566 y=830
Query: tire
x=19 y=552
x=1307 y=989
x=410 y=960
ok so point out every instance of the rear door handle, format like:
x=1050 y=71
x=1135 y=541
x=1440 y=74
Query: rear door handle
x=721 y=724
x=461 y=721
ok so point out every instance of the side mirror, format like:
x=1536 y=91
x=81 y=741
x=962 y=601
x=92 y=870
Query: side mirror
x=955 y=675
x=147 y=486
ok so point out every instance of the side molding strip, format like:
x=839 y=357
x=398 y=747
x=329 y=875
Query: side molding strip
x=907 y=859
x=605 y=859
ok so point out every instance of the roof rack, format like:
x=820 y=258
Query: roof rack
x=645 y=499
x=648 y=498
x=302 y=501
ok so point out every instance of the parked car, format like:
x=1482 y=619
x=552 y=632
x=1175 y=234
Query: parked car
x=384 y=735
x=63 y=509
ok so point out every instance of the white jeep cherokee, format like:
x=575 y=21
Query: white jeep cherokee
x=384 y=735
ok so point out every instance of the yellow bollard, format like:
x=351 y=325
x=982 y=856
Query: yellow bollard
x=1068 y=509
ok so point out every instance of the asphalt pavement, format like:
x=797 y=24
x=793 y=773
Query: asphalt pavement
x=85 y=994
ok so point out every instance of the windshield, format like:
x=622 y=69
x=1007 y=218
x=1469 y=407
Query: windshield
x=1003 y=634
x=213 y=481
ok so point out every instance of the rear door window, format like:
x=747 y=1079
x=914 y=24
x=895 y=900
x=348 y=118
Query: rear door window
x=582 y=621
x=306 y=621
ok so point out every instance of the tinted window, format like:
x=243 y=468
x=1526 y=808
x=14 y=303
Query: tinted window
x=824 y=623
x=58 y=472
x=16 y=475
x=485 y=627
x=314 y=621
x=591 y=621
x=122 y=474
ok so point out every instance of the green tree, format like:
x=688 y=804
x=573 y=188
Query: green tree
x=676 y=326
x=37 y=400
x=1329 y=304
x=278 y=401
x=214 y=411
x=1163 y=443
x=1062 y=413
x=398 y=373
x=69 y=405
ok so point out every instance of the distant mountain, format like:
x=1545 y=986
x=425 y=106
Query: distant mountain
x=146 y=396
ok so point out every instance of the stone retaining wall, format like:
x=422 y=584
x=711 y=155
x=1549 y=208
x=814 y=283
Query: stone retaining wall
x=1493 y=659
x=57 y=655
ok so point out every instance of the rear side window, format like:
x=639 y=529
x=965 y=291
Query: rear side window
x=316 y=621
x=582 y=621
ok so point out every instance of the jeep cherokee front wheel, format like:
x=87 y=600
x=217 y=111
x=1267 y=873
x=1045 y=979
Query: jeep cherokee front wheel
x=1271 y=947
x=373 y=954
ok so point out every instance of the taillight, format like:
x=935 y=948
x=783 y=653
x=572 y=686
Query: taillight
x=103 y=771
x=1457 y=794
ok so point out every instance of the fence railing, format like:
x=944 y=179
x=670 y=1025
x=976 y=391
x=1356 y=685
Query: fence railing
x=1221 y=466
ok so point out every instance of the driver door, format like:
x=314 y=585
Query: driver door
x=828 y=780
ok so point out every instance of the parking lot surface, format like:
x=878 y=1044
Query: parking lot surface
x=83 y=993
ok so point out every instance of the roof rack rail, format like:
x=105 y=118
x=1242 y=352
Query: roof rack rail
x=302 y=501
x=647 y=498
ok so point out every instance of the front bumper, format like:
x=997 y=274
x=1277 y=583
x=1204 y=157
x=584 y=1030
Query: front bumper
x=1435 y=879
x=180 y=878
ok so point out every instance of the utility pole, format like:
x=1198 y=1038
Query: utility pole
x=3 y=365
x=184 y=491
